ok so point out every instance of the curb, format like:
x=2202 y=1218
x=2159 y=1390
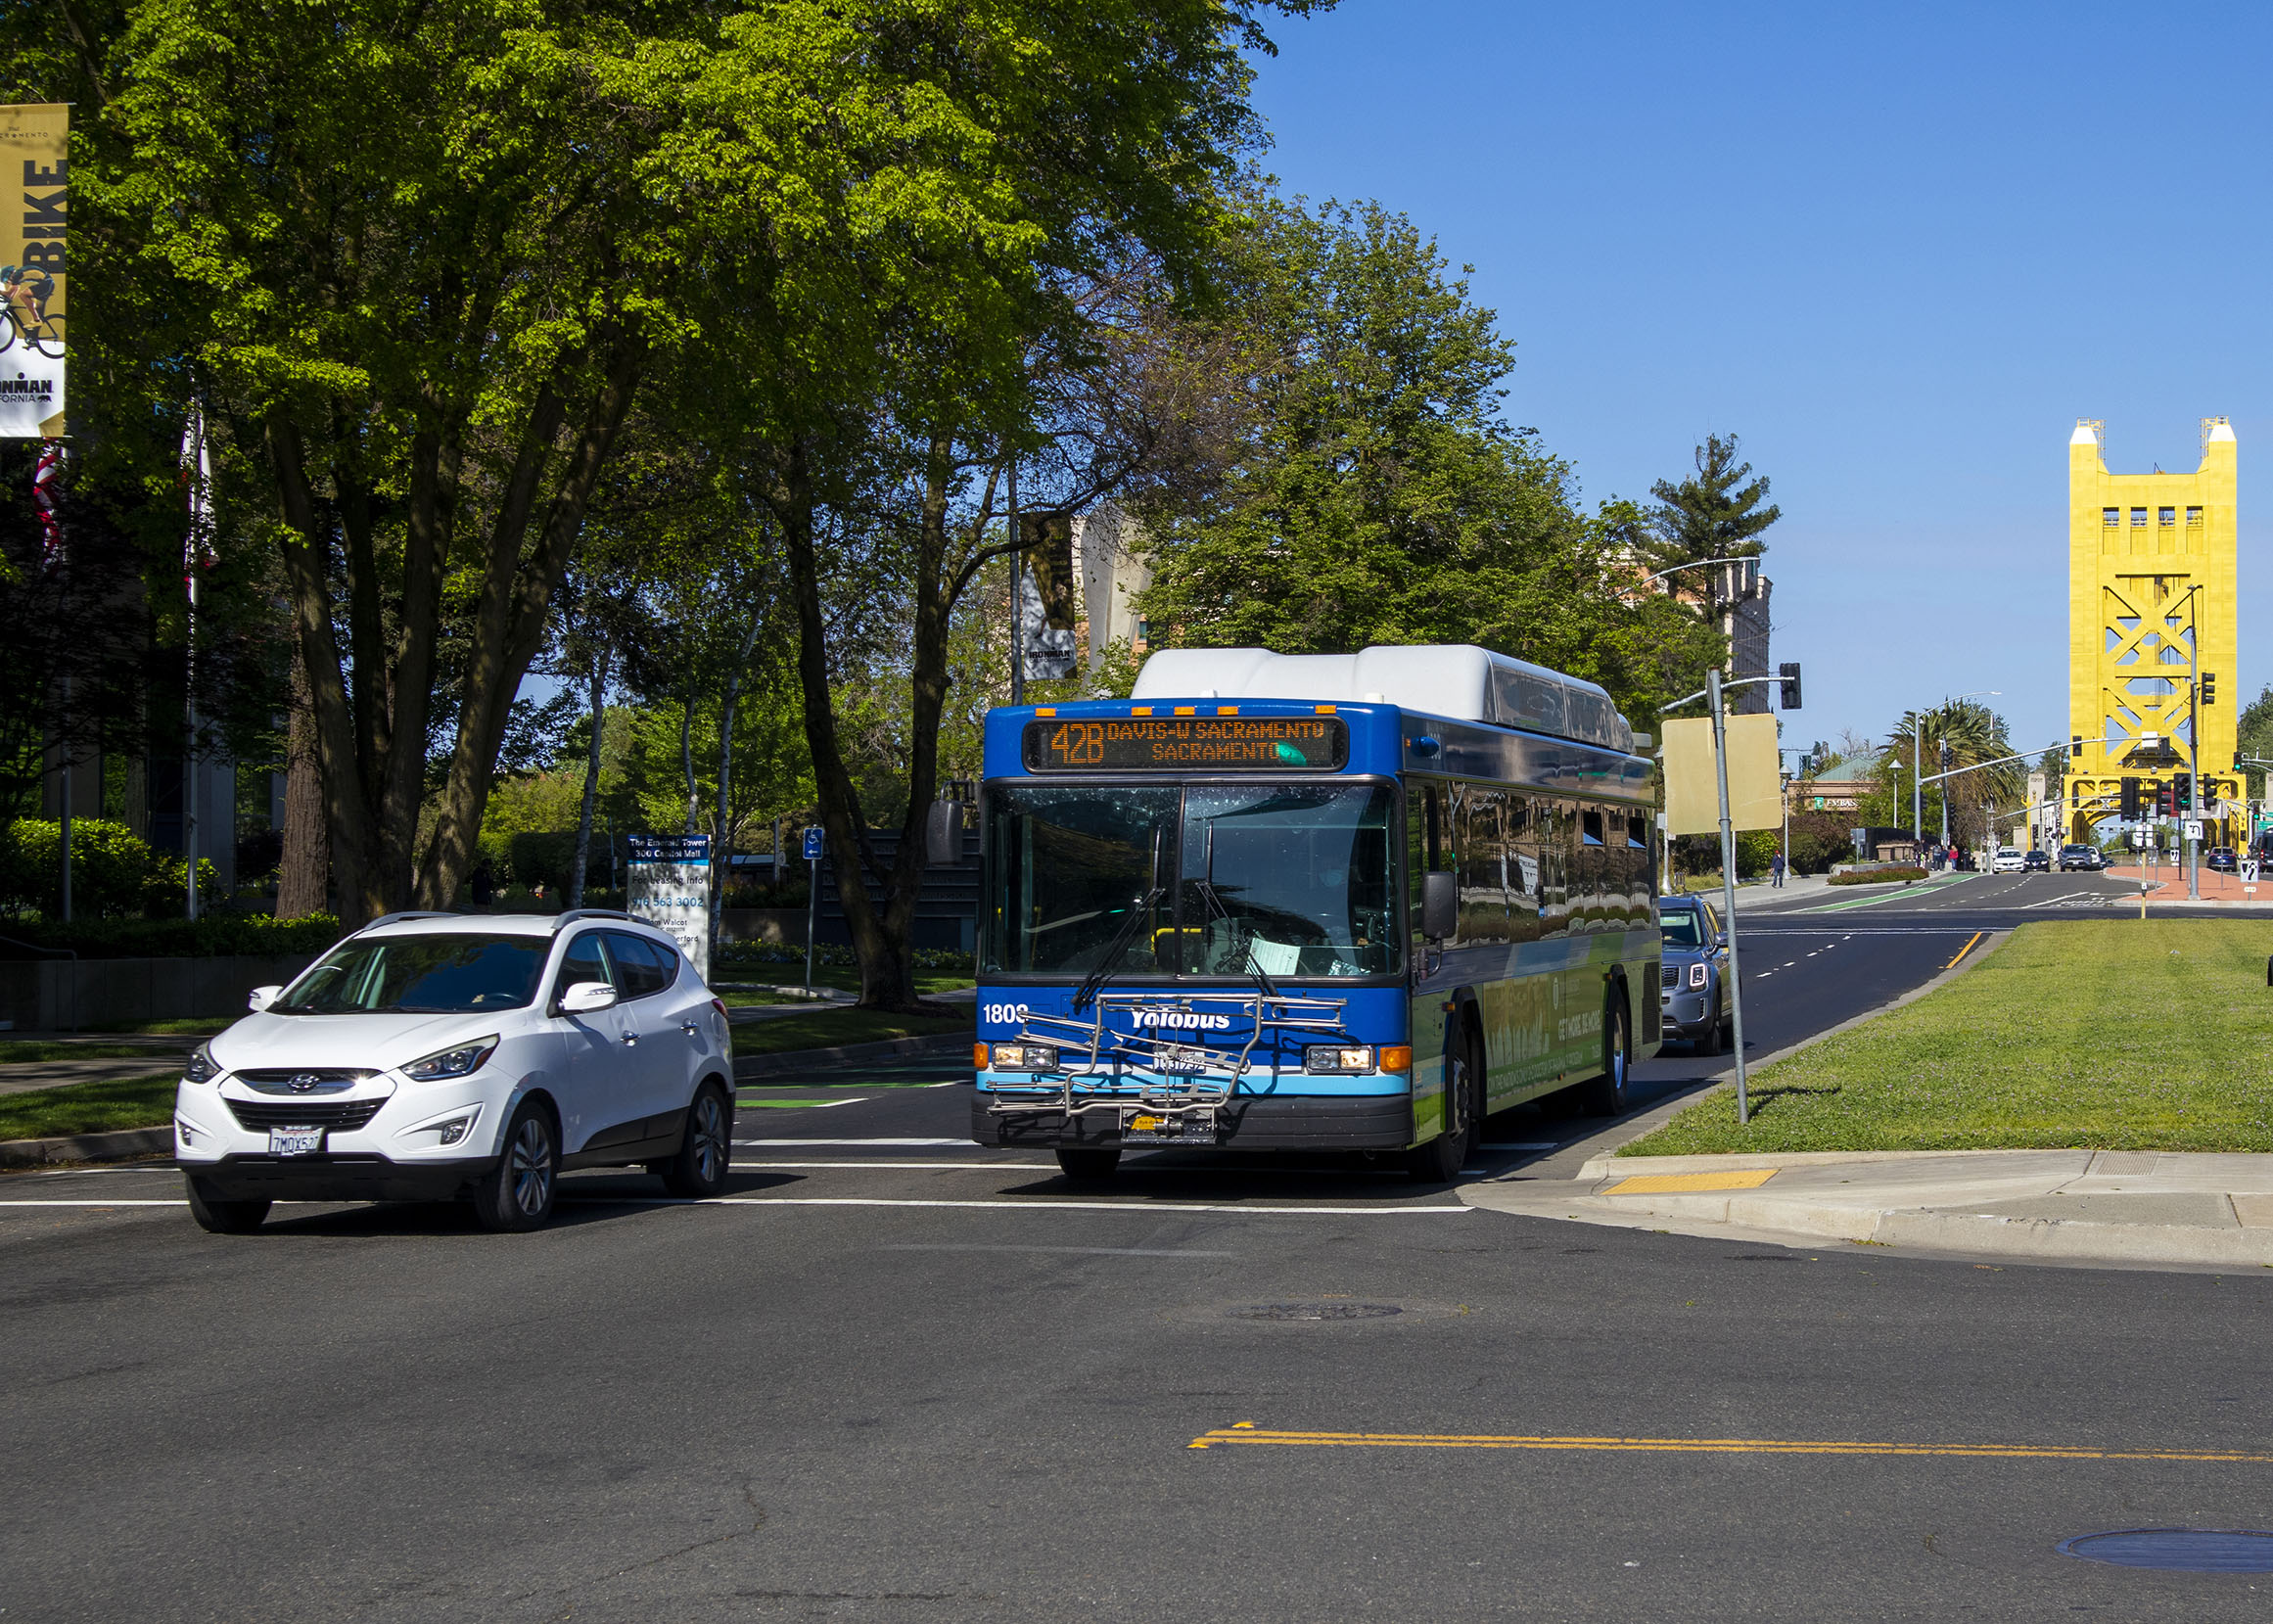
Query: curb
x=803 y=1059
x=121 y=1146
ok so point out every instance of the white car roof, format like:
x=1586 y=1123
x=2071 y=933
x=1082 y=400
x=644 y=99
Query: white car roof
x=544 y=925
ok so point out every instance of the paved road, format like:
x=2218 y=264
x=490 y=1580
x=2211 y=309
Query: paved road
x=896 y=1377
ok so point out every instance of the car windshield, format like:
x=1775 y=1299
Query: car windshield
x=1221 y=881
x=1681 y=928
x=433 y=973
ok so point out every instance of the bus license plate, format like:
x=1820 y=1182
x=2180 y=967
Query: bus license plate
x=1176 y=1058
x=1146 y=1129
x=295 y=1142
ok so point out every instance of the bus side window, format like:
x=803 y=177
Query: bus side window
x=1557 y=829
x=1641 y=870
x=1482 y=850
x=1527 y=821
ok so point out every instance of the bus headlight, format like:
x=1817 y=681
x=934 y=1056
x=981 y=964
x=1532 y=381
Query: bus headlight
x=1322 y=1058
x=1025 y=1057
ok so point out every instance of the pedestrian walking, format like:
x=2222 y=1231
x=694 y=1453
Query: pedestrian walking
x=1776 y=872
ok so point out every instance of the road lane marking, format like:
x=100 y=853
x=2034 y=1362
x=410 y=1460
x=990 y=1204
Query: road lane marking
x=792 y=1104
x=1246 y=1432
x=1079 y=1251
x=807 y=1145
x=1967 y=948
x=1666 y=1183
x=568 y=1197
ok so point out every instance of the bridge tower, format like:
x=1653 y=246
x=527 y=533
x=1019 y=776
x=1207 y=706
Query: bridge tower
x=2151 y=604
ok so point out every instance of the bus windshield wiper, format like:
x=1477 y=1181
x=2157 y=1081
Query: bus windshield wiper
x=1109 y=961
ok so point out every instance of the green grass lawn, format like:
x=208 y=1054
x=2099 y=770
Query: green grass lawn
x=88 y=1107
x=196 y=1025
x=21 y=1052
x=828 y=1028
x=2107 y=1033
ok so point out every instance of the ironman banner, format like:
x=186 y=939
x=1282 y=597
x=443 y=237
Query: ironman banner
x=34 y=212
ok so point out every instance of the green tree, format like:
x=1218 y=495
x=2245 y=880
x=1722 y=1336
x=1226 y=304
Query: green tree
x=1713 y=514
x=1379 y=495
x=2253 y=738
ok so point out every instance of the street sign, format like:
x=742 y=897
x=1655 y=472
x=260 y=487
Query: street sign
x=670 y=888
x=812 y=844
x=2194 y=829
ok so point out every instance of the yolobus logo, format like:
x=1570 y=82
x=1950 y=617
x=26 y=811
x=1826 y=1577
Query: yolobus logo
x=1188 y=1020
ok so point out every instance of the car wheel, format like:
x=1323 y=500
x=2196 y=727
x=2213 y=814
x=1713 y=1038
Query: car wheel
x=1608 y=1095
x=699 y=1168
x=222 y=1218
x=1439 y=1160
x=518 y=1193
x=1088 y=1163
x=1710 y=1042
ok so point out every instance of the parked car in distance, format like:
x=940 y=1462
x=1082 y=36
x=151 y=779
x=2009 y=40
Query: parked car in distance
x=2223 y=859
x=437 y=1056
x=1693 y=965
x=2010 y=859
x=2081 y=857
x=2038 y=861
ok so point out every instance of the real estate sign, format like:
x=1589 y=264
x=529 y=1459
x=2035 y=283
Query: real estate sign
x=670 y=888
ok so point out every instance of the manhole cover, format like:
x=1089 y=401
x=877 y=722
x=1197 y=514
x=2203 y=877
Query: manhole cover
x=1313 y=1311
x=2182 y=1549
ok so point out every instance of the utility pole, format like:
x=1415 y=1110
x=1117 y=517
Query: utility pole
x=2193 y=780
x=1017 y=600
x=1729 y=887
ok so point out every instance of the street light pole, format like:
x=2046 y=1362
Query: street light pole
x=1729 y=886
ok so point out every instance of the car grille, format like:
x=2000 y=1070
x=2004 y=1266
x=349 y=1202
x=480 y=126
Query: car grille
x=341 y=1115
x=1669 y=976
x=303 y=1080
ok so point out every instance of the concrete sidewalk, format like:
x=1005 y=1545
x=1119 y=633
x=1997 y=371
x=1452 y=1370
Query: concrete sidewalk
x=2166 y=883
x=2070 y=1206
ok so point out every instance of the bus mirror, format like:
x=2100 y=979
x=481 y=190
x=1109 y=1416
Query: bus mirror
x=942 y=834
x=1440 y=904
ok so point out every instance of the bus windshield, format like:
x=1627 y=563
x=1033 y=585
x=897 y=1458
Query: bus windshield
x=1221 y=881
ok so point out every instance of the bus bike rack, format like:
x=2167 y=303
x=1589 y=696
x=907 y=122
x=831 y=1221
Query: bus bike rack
x=1161 y=1093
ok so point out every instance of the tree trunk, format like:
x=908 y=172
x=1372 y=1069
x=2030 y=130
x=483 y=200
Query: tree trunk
x=722 y=847
x=580 y=864
x=303 y=875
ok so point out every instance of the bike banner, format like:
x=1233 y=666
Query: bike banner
x=35 y=182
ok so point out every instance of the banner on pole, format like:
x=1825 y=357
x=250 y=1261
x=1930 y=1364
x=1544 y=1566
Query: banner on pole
x=35 y=184
x=670 y=888
x=1046 y=594
x=1692 y=792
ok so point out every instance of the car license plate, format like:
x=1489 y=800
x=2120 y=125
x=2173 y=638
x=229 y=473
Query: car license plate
x=295 y=1142
x=1178 y=1059
x=1144 y=1128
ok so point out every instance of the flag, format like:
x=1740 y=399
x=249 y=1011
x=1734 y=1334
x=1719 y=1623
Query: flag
x=44 y=473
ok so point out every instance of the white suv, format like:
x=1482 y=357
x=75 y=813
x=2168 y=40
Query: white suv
x=430 y=1056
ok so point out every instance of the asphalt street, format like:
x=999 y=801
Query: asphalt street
x=894 y=1376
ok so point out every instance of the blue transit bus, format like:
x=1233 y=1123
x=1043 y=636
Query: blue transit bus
x=1310 y=903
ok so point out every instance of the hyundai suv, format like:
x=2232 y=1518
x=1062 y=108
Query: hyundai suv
x=432 y=1056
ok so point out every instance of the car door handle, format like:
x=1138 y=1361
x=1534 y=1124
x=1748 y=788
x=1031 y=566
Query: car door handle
x=690 y=1029
x=630 y=1037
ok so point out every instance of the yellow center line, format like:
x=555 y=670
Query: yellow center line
x=1962 y=951
x=1246 y=1432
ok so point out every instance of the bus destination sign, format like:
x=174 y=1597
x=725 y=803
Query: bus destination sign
x=1195 y=744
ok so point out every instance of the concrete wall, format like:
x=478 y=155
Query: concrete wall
x=41 y=996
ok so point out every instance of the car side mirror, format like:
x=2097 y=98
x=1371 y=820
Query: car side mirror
x=1440 y=904
x=260 y=997
x=587 y=998
x=1722 y=940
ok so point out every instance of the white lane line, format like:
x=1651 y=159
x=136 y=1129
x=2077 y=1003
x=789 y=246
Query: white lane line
x=1010 y=1206
x=798 y=1104
x=1083 y=1251
x=904 y=1162
x=807 y=1145
x=1552 y=1145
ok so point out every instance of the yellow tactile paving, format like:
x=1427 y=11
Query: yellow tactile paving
x=1666 y=1183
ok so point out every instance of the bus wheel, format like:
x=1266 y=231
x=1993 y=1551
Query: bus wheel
x=1607 y=1095
x=1439 y=1160
x=1087 y=1165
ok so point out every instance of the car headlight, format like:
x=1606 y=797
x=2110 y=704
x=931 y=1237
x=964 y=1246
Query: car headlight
x=455 y=1061
x=1320 y=1058
x=1697 y=973
x=1026 y=1058
x=201 y=1067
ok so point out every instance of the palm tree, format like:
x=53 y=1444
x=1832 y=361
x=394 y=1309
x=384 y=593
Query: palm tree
x=1955 y=735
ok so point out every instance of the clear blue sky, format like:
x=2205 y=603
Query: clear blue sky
x=1898 y=250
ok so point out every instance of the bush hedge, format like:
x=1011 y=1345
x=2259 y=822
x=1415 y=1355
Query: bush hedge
x=1878 y=876
x=115 y=874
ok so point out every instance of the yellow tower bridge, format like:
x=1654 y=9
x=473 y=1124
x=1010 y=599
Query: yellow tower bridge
x=2151 y=636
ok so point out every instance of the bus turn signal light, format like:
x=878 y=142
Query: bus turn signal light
x=1397 y=1058
x=979 y=1056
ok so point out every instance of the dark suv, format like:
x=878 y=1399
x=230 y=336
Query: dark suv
x=1693 y=965
x=2222 y=859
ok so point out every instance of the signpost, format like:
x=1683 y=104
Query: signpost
x=813 y=849
x=669 y=886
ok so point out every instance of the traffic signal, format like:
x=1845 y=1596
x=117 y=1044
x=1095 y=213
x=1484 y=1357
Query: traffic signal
x=1790 y=672
x=2166 y=799
x=2209 y=688
x=2130 y=808
x=2182 y=793
x=2074 y=749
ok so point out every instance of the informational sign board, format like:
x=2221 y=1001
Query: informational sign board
x=2194 y=828
x=1169 y=744
x=670 y=888
x=812 y=844
x=1693 y=796
x=35 y=214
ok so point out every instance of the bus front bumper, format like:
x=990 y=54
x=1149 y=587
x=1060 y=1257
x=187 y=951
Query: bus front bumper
x=1297 y=1122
